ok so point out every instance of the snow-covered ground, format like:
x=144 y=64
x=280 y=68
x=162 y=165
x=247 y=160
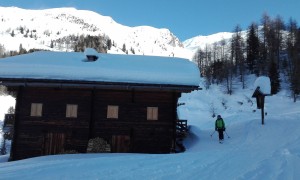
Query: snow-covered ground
x=253 y=151
x=5 y=103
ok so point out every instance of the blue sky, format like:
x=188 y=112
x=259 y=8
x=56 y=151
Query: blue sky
x=185 y=18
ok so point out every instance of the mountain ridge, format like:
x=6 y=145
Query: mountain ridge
x=38 y=28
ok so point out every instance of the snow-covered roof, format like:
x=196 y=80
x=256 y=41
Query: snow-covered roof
x=264 y=85
x=107 y=68
x=90 y=52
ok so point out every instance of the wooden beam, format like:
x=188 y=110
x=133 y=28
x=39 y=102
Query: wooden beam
x=17 y=122
x=92 y=119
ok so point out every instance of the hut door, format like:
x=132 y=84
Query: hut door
x=54 y=143
x=120 y=144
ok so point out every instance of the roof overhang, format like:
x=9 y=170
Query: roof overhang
x=46 y=83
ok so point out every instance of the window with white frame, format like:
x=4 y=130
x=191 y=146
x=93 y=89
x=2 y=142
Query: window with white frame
x=36 y=109
x=112 y=112
x=71 y=110
x=152 y=113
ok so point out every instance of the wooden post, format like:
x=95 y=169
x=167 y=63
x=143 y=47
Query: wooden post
x=262 y=110
x=262 y=116
x=174 y=117
x=19 y=100
x=92 y=119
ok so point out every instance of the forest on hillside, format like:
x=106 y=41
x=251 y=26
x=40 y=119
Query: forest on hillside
x=75 y=42
x=269 y=48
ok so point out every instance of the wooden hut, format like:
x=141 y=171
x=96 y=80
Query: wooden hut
x=63 y=100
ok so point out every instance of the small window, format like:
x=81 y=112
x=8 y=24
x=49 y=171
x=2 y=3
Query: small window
x=36 y=109
x=71 y=111
x=112 y=112
x=152 y=113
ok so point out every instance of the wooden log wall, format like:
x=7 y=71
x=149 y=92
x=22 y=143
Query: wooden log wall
x=141 y=135
x=146 y=136
x=32 y=131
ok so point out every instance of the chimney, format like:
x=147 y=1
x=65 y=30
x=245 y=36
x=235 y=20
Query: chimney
x=91 y=54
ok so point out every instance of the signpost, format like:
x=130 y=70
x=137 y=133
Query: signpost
x=260 y=100
x=263 y=89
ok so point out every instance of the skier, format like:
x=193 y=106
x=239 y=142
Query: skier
x=220 y=127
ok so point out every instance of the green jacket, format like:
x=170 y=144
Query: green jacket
x=220 y=124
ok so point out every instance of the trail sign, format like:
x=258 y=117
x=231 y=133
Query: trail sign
x=262 y=88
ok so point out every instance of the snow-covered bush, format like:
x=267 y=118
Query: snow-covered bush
x=98 y=145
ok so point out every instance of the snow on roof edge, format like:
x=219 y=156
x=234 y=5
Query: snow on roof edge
x=109 y=68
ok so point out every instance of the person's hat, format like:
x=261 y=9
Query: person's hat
x=219 y=116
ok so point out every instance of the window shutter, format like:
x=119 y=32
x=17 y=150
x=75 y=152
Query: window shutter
x=39 y=110
x=74 y=111
x=155 y=113
x=149 y=113
x=71 y=110
x=36 y=109
x=152 y=113
x=113 y=112
x=33 y=109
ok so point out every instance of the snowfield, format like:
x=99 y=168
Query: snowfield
x=37 y=28
x=250 y=150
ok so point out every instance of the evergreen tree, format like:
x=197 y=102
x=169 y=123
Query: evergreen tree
x=3 y=150
x=51 y=44
x=274 y=78
x=11 y=110
x=12 y=33
x=203 y=59
x=124 y=48
x=109 y=44
x=2 y=51
x=252 y=49
x=96 y=42
x=279 y=27
x=217 y=71
x=199 y=60
x=293 y=49
x=132 y=50
x=264 y=49
x=22 y=50
x=237 y=53
x=21 y=30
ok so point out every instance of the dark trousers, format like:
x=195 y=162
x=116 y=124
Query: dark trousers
x=221 y=135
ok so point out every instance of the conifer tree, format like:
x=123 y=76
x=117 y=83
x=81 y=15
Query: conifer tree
x=252 y=49
x=124 y=48
x=12 y=33
x=264 y=49
x=2 y=50
x=279 y=27
x=293 y=48
x=274 y=78
x=237 y=53
x=109 y=44
x=22 y=50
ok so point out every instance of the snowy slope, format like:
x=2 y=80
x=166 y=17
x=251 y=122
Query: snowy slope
x=201 y=41
x=253 y=151
x=50 y=24
x=44 y=26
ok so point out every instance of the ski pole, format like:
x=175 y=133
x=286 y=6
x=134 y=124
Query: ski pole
x=212 y=133
x=227 y=134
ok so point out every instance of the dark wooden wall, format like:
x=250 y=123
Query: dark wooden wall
x=144 y=136
x=31 y=131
